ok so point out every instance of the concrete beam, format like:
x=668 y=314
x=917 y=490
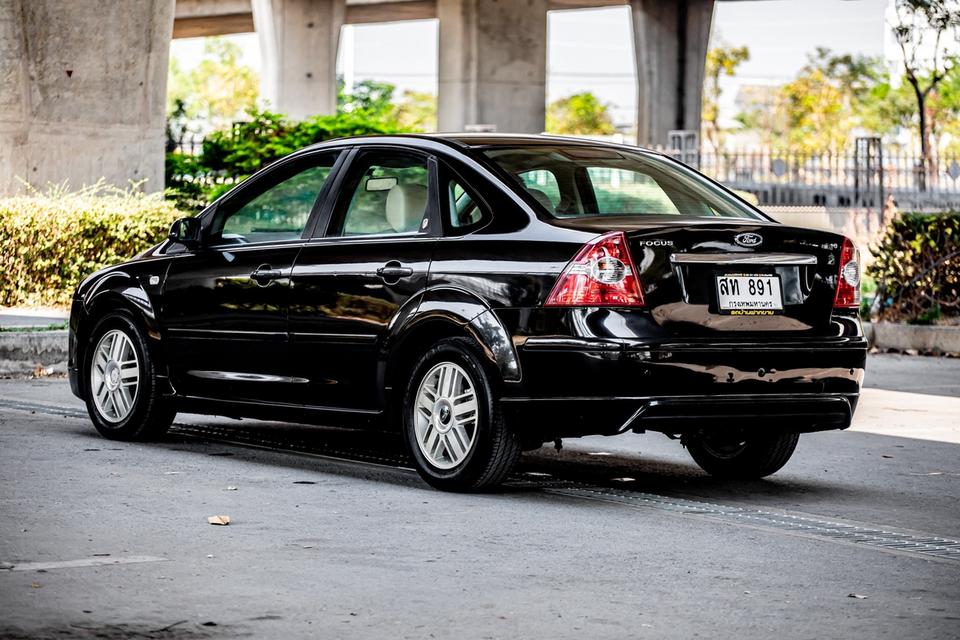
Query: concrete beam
x=298 y=45
x=221 y=25
x=199 y=18
x=670 y=42
x=493 y=64
x=75 y=112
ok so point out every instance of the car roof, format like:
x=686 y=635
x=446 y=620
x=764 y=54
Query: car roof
x=473 y=140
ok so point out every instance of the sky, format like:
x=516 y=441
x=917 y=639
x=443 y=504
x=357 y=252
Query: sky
x=592 y=50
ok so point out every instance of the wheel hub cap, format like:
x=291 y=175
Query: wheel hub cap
x=445 y=417
x=114 y=376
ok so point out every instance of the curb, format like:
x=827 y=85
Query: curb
x=920 y=338
x=24 y=352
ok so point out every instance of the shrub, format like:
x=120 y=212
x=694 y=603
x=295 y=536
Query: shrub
x=917 y=268
x=231 y=155
x=50 y=241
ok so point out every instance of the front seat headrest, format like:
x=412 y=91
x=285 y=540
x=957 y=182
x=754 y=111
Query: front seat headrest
x=406 y=205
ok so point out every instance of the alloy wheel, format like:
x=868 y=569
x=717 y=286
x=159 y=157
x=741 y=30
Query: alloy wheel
x=445 y=416
x=114 y=376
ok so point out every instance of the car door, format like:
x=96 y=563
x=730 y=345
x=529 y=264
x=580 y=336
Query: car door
x=370 y=258
x=224 y=305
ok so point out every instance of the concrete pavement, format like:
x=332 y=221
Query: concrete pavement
x=608 y=538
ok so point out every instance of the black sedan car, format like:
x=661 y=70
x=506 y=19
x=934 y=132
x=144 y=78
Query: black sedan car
x=484 y=294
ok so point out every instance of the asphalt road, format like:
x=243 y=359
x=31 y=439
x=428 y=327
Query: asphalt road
x=332 y=536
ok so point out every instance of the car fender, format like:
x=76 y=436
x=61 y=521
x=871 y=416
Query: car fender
x=117 y=290
x=468 y=312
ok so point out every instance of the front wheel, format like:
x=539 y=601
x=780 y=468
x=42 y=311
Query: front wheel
x=452 y=424
x=742 y=456
x=123 y=398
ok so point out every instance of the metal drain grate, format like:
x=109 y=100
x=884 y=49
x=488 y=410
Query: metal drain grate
x=934 y=546
x=256 y=438
x=68 y=412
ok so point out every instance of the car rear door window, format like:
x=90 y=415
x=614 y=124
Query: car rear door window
x=463 y=211
x=390 y=195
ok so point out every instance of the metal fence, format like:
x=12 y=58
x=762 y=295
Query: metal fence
x=846 y=180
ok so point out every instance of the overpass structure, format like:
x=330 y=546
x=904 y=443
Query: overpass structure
x=83 y=83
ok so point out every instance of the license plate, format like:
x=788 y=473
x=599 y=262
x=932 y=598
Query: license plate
x=749 y=295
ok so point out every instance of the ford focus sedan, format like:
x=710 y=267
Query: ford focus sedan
x=483 y=295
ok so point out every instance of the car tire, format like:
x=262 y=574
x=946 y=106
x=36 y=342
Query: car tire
x=452 y=424
x=742 y=457
x=122 y=393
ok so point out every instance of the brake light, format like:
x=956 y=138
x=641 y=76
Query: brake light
x=602 y=274
x=848 y=277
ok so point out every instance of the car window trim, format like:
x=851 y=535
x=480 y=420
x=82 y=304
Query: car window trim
x=326 y=231
x=268 y=173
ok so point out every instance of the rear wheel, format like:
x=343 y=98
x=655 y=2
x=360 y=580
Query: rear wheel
x=123 y=398
x=742 y=456
x=452 y=424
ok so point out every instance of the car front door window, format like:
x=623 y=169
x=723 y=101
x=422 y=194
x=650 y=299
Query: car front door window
x=278 y=212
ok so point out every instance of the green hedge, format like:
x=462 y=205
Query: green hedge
x=917 y=269
x=230 y=155
x=50 y=241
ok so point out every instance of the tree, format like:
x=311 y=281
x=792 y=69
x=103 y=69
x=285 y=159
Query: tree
x=579 y=114
x=722 y=60
x=925 y=63
x=218 y=90
x=371 y=97
x=823 y=105
x=416 y=111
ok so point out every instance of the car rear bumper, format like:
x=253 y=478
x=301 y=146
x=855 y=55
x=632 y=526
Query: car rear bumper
x=573 y=387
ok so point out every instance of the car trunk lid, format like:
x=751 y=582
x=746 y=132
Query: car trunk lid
x=708 y=276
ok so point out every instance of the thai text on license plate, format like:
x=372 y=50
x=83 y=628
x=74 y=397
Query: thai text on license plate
x=749 y=295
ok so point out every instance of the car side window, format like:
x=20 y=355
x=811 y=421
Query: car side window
x=462 y=210
x=279 y=210
x=390 y=194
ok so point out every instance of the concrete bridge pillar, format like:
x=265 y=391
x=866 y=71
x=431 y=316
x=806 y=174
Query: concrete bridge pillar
x=83 y=91
x=298 y=45
x=670 y=41
x=493 y=64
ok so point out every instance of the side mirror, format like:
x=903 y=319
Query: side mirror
x=186 y=231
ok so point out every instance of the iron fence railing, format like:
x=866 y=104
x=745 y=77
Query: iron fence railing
x=898 y=171
x=837 y=179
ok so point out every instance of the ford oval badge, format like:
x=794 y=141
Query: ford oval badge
x=749 y=239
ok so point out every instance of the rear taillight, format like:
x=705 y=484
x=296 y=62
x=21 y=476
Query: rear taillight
x=600 y=275
x=848 y=277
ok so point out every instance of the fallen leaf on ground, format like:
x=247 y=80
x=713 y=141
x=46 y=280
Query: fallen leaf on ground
x=219 y=520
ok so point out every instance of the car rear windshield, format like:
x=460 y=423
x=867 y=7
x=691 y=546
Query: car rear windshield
x=571 y=181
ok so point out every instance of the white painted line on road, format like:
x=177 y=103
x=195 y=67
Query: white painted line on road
x=96 y=561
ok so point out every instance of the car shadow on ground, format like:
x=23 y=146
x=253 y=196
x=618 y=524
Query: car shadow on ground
x=381 y=457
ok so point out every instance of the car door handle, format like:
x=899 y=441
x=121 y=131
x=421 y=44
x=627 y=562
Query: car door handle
x=264 y=274
x=394 y=270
